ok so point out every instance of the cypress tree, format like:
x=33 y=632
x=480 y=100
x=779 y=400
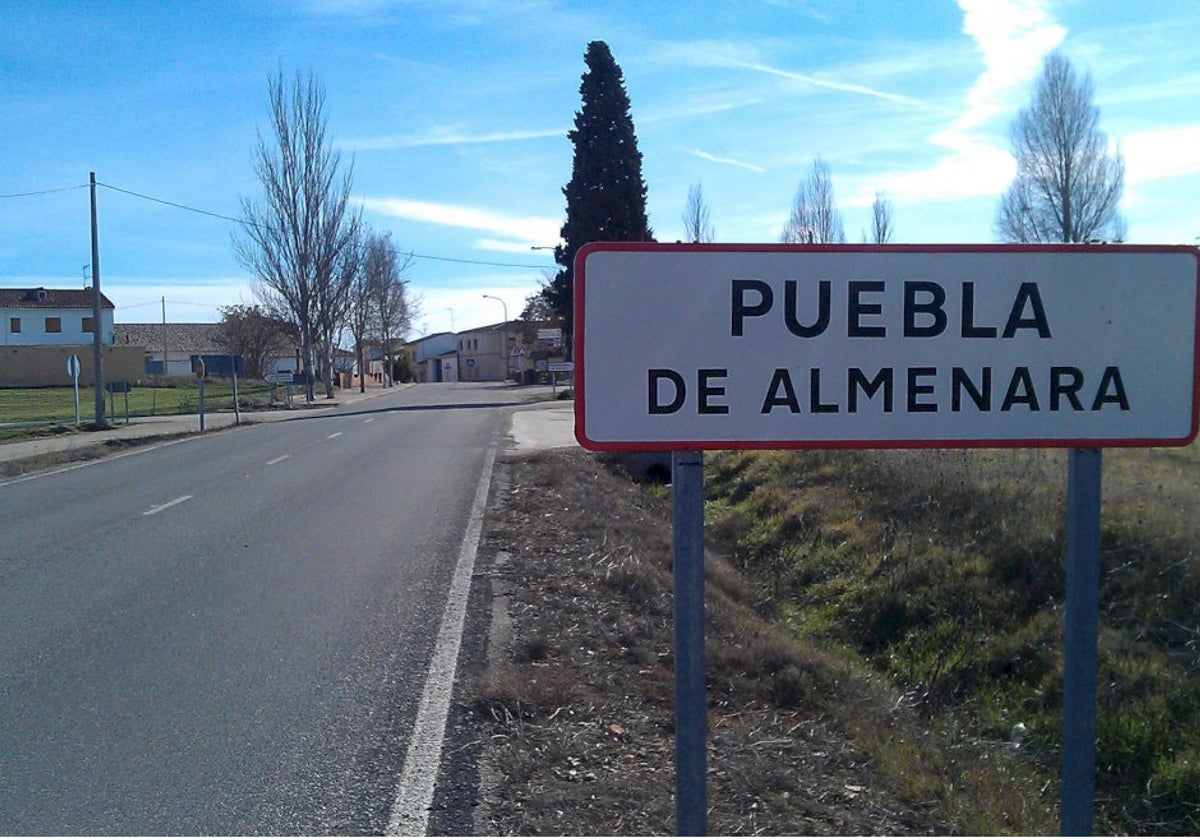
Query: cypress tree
x=606 y=196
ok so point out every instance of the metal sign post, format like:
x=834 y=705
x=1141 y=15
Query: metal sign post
x=237 y=411
x=1081 y=642
x=200 y=386
x=691 y=708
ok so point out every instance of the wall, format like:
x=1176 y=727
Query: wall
x=33 y=327
x=483 y=356
x=37 y=367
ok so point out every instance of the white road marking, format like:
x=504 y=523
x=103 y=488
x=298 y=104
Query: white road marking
x=414 y=795
x=275 y=461
x=165 y=505
x=332 y=436
x=141 y=450
x=369 y=420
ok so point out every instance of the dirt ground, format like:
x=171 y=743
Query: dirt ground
x=577 y=697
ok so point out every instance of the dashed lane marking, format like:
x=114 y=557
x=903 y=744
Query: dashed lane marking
x=165 y=505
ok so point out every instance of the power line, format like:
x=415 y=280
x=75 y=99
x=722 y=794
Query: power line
x=477 y=262
x=174 y=204
x=43 y=192
x=223 y=217
x=243 y=221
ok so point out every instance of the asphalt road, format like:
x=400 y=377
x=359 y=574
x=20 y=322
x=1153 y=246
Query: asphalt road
x=229 y=634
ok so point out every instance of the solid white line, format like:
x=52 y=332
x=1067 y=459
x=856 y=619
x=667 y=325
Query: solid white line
x=141 y=450
x=332 y=436
x=165 y=505
x=275 y=461
x=414 y=795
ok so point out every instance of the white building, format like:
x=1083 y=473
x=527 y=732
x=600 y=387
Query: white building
x=51 y=317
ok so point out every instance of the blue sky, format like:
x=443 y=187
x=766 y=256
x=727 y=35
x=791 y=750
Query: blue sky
x=455 y=114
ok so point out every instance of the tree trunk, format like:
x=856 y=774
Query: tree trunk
x=362 y=370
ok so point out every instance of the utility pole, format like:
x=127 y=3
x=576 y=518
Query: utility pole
x=164 y=326
x=97 y=322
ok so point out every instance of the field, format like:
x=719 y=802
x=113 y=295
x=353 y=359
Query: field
x=55 y=407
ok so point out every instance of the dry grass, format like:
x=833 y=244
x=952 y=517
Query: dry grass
x=579 y=706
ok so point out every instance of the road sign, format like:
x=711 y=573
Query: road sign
x=279 y=378
x=769 y=347
x=560 y=367
x=73 y=372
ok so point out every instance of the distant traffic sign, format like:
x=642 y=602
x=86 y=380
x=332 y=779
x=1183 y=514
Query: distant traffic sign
x=689 y=347
x=73 y=366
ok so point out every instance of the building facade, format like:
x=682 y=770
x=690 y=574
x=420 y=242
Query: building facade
x=41 y=317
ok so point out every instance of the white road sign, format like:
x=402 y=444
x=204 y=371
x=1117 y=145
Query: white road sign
x=726 y=347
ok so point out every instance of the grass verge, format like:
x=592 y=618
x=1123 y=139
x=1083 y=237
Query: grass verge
x=942 y=572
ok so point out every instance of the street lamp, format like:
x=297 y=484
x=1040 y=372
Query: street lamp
x=502 y=303
x=503 y=336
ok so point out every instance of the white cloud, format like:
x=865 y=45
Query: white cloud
x=518 y=232
x=1012 y=36
x=827 y=83
x=140 y=299
x=727 y=161
x=1161 y=153
x=444 y=136
x=454 y=309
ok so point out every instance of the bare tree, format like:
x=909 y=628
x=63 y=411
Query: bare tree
x=881 y=221
x=815 y=218
x=696 y=226
x=252 y=332
x=333 y=301
x=388 y=291
x=1068 y=186
x=293 y=239
x=361 y=312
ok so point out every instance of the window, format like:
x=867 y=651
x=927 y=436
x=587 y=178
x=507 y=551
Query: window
x=14 y=325
x=87 y=324
x=54 y=325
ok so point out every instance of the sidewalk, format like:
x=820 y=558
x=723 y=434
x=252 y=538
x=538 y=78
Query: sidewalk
x=540 y=425
x=178 y=425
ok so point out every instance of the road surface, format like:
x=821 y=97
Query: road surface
x=230 y=634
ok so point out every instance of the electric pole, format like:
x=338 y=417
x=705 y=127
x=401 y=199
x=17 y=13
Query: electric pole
x=97 y=322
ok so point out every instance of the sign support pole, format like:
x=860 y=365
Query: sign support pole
x=237 y=411
x=1081 y=657
x=691 y=711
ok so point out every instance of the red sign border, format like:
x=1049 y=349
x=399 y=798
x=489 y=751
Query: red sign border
x=580 y=326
